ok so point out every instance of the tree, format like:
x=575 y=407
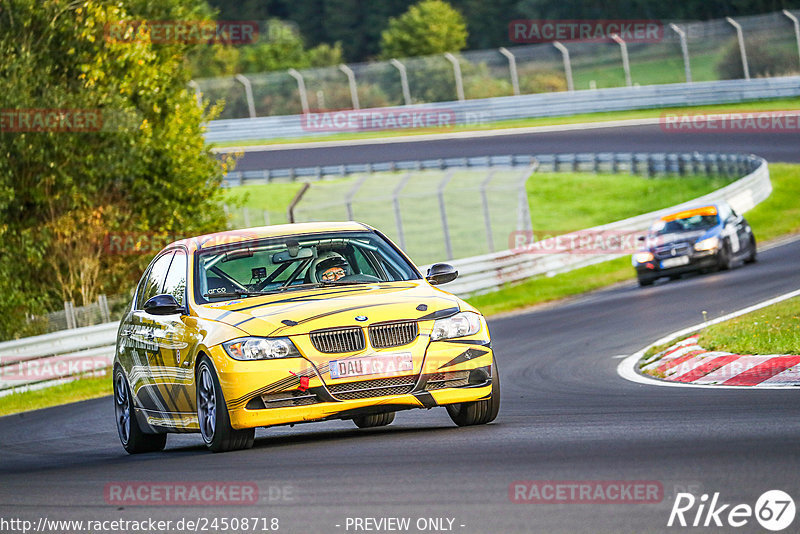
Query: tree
x=429 y=27
x=140 y=165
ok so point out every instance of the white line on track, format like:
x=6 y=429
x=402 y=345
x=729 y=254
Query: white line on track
x=627 y=367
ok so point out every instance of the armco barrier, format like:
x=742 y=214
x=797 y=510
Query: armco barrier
x=476 y=274
x=537 y=105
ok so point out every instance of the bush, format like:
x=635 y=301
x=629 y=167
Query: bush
x=763 y=59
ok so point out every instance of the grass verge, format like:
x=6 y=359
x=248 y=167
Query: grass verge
x=771 y=330
x=77 y=390
x=758 y=105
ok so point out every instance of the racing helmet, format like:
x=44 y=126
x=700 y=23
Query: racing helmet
x=328 y=267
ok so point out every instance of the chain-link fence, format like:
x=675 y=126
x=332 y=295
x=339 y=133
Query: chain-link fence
x=760 y=45
x=104 y=310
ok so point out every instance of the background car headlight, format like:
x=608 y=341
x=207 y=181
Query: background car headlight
x=459 y=325
x=260 y=348
x=707 y=244
x=643 y=257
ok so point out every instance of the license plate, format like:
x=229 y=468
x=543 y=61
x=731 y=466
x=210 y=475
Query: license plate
x=384 y=364
x=675 y=262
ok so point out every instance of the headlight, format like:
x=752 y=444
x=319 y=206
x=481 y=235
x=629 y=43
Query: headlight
x=643 y=257
x=459 y=325
x=260 y=348
x=707 y=244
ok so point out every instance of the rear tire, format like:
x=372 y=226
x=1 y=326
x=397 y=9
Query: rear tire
x=478 y=412
x=212 y=414
x=131 y=435
x=644 y=282
x=373 y=420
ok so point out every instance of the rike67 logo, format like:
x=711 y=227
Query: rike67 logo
x=774 y=510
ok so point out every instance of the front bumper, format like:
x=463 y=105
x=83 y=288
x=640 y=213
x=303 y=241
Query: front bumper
x=280 y=392
x=698 y=261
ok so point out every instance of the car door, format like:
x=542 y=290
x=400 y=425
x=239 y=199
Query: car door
x=177 y=336
x=146 y=365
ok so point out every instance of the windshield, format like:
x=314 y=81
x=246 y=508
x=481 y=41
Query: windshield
x=297 y=262
x=687 y=224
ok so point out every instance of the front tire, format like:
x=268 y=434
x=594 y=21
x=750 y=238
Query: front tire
x=212 y=414
x=724 y=258
x=373 y=420
x=131 y=435
x=753 y=257
x=478 y=412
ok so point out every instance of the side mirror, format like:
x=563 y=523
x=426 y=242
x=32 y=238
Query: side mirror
x=441 y=273
x=163 y=305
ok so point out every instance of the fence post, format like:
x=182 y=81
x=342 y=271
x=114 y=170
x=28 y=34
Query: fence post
x=351 y=81
x=625 y=62
x=69 y=315
x=301 y=88
x=348 y=198
x=448 y=245
x=796 y=28
x=403 y=80
x=567 y=64
x=512 y=68
x=457 y=74
x=523 y=211
x=295 y=201
x=487 y=220
x=104 y=311
x=246 y=216
x=398 y=216
x=687 y=67
x=742 y=51
x=248 y=93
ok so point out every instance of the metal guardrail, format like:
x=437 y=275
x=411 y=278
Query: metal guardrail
x=66 y=354
x=534 y=105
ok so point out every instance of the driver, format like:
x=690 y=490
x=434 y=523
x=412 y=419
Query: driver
x=330 y=267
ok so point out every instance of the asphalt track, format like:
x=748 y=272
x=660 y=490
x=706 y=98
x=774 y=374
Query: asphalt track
x=774 y=146
x=566 y=415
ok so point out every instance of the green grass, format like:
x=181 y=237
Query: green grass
x=780 y=213
x=77 y=390
x=759 y=105
x=771 y=330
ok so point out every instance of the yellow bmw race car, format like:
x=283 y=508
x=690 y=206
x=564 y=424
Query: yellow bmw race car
x=289 y=324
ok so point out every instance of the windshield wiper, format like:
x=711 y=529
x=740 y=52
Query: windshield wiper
x=236 y=294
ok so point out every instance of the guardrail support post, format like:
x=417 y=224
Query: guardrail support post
x=512 y=68
x=742 y=51
x=567 y=65
x=687 y=67
x=301 y=88
x=796 y=28
x=248 y=93
x=457 y=74
x=448 y=245
x=625 y=62
x=351 y=80
x=197 y=94
x=403 y=80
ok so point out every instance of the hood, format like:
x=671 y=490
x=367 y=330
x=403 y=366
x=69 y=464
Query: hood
x=302 y=311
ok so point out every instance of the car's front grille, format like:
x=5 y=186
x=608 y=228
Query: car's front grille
x=453 y=379
x=338 y=340
x=387 y=335
x=665 y=251
x=365 y=389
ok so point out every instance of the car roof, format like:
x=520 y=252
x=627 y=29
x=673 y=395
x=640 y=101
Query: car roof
x=708 y=209
x=260 y=232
